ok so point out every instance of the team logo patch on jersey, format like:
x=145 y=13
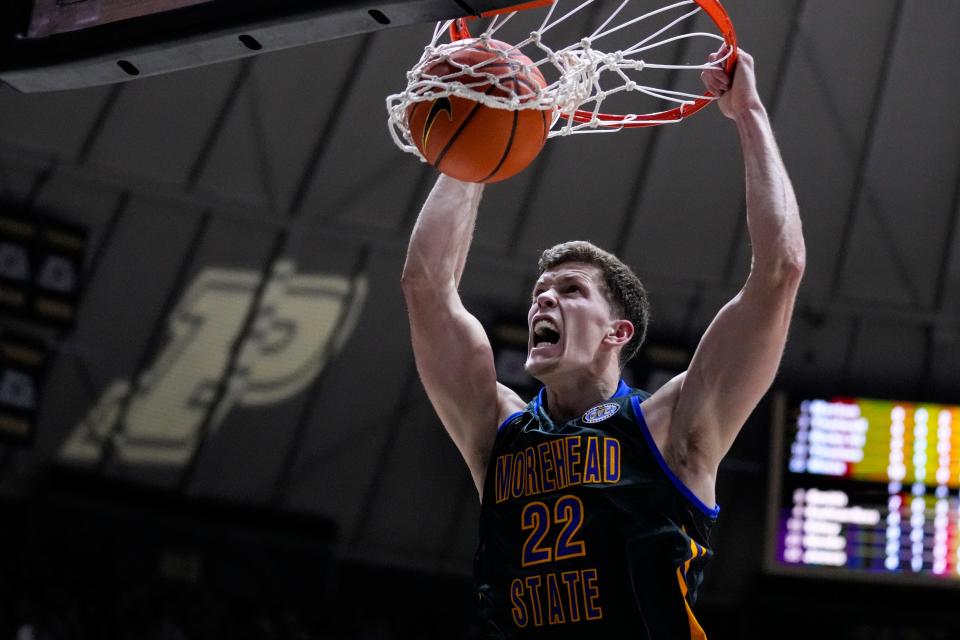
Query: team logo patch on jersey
x=600 y=412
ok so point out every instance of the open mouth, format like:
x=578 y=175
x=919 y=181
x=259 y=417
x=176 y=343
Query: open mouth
x=545 y=333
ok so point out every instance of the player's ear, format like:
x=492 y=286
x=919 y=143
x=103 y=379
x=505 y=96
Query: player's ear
x=620 y=333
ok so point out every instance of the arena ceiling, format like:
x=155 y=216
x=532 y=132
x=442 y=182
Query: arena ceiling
x=241 y=333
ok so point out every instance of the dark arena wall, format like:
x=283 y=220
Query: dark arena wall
x=211 y=421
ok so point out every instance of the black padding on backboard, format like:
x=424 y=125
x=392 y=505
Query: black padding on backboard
x=193 y=36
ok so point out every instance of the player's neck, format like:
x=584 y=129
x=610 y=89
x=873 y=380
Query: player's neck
x=571 y=396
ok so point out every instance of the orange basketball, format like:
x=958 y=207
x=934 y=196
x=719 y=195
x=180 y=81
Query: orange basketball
x=468 y=140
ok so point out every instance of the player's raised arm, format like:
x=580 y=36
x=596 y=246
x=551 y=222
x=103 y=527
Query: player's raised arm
x=739 y=354
x=452 y=351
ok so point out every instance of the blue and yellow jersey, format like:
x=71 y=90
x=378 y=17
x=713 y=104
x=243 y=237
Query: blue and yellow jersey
x=585 y=530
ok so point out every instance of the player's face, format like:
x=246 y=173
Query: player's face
x=568 y=320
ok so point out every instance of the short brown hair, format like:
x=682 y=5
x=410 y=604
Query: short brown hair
x=624 y=291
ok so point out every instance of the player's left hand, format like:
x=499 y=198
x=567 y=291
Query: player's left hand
x=736 y=95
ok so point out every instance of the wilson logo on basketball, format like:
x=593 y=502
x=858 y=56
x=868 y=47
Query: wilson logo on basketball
x=439 y=105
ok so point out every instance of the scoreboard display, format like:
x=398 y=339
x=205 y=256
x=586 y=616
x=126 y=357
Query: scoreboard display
x=866 y=488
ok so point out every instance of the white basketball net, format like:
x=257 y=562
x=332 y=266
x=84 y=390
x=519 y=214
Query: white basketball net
x=583 y=75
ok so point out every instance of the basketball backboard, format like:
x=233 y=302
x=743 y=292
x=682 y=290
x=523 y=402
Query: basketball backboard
x=50 y=45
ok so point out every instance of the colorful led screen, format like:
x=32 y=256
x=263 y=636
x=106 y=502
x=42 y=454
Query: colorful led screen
x=866 y=487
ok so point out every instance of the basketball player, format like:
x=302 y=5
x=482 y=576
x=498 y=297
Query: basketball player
x=598 y=499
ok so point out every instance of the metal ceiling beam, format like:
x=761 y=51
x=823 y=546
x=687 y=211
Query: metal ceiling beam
x=277 y=249
x=773 y=108
x=89 y=275
x=853 y=342
x=233 y=360
x=866 y=150
x=106 y=237
x=269 y=220
x=219 y=122
x=156 y=336
x=264 y=157
x=39 y=182
x=949 y=246
x=927 y=383
x=99 y=122
x=305 y=418
x=333 y=120
x=399 y=414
